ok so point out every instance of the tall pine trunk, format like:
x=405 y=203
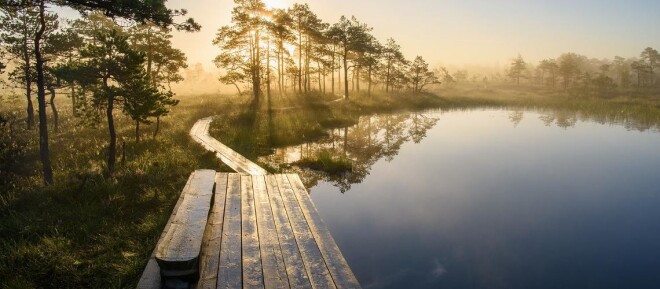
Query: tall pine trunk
x=112 y=147
x=44 y=151
x=357 y=77
x=28 y=78
x=137 y=131
x=332 y=71
x=299 y=59
x=157 y=127
x=53 y=108
x=346 y=73
x=369 y=85
x=256 y=67
x=268 y=68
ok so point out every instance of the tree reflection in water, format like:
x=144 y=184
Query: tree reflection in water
x=372 y=138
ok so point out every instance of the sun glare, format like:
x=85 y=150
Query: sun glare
x=275 y=4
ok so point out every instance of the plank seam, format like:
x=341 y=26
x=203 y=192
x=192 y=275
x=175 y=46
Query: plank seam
x=279 y=242
x=311 y=232
x=288 y=217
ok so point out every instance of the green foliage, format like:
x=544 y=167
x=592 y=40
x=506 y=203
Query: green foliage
x=327 y=161
x=307 y=50
x=88 y=230
x=420 y=75
x=143 y=101
x=518 y=66
x=163 y=62
x=141 y=11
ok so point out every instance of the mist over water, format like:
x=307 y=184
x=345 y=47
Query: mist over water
x=504 y=199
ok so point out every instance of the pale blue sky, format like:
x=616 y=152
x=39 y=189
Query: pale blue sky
x=454 y=32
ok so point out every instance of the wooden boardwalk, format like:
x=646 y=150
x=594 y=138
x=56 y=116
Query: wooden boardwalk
x=262 y=231
x=200 y=133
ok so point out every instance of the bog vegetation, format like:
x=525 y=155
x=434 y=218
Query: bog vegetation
x=94 y=142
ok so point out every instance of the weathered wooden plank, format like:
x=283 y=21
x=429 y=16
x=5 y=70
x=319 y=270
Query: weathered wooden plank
x=252 y=272
x=181 y=247
x=151 y=276
x=210 y=258
x=341 y=273
x=229 y=270
x=295 y=267
x=314 y=263
x=239 y=163
x=271 y=254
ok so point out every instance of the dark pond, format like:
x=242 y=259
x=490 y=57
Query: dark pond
x=493 y=199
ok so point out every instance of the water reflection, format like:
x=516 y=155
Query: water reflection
x=381 y=136
x=372 y=138
x=632 y=118
x=552 y=201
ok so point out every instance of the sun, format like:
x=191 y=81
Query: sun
x=279 y=4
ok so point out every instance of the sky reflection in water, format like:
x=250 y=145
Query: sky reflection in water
x=501 y=199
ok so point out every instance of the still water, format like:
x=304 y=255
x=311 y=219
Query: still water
x=493 y=199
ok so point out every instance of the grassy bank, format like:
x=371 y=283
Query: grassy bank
x=88 y=231
x=639 y=110
x=254 y=128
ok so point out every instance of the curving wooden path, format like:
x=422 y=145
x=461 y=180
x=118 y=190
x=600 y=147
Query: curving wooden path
x=240 y=164
x=245 y=230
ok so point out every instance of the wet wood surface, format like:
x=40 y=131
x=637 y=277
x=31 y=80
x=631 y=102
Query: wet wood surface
x=263 y=231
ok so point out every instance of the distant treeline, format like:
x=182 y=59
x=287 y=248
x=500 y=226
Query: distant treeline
x=571 y=71
x=293 y=50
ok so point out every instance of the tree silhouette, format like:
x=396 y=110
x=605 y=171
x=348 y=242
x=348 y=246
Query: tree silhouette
x=518 y=67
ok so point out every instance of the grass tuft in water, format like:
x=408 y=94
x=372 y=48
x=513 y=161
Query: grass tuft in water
x=327 y=161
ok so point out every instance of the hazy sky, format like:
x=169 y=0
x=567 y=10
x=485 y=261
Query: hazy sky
x=453 y=32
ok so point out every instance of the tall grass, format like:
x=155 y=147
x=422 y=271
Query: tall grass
x=88 y=231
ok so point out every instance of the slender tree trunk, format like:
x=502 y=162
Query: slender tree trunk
x=284 y=85
x=150 y=58
x=279 y=68
x=332 y=72
x=357 y=77
x=346 y=73
x=308 y=79
x=112 y=147
x=28 y=86
x=44 y=151
x=318 y=65
x=299 y=58
x=268 y=68
x=237 y=88
x=157 y=126
x=137 y=131
x=53 y=108
x=369 y=85
x=256 y=70
x=387 y=76
x=339 y=68
x=74 y=102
